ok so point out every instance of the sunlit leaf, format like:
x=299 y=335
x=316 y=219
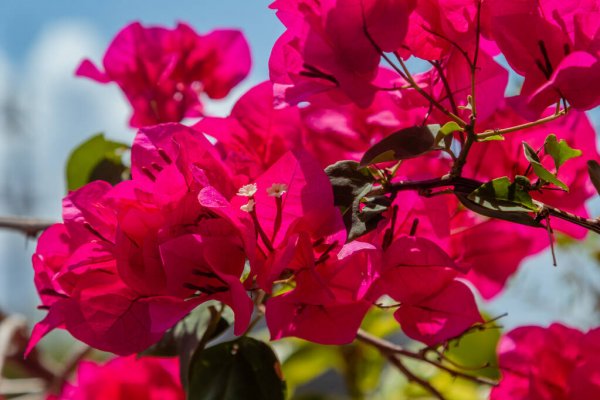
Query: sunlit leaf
x=96 y=159
x=539 y=170
x=476 y=351
x=560 y=151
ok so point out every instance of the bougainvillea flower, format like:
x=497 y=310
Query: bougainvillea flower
x=325 y=46
x=334 y=131
x=437 y=27
x=163 y=71
x=433 y=305
x=255 y=135
x=330 y=298
x=306 y=204
x=554 y=363
x=491 y=250
x=132 y=260
x=125 y=378
x=553 y=44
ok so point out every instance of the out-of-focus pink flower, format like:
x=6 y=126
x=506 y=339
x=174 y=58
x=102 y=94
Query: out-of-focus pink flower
x=126 y=378
x=554 y=363
x=163 y=71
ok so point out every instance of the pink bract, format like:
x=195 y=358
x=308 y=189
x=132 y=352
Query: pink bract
x=554 y=363
x=126 y=378
x=325 y=49
x=163 y=71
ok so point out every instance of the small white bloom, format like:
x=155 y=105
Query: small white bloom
x=277 y=189
x=247 y=190
x=248 y=207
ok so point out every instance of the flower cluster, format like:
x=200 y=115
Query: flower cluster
x=253 y=221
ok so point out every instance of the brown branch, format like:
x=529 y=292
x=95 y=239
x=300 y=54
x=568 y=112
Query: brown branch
x=27 y=225
x=495 y=132
x=396 y=362
x=463 y=185
x=388 y=348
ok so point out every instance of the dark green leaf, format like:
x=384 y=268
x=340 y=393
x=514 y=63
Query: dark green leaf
x=538 y=168
x=366 y=219
x=518 y=217
x=559 y=151
x=190 y=336
x=96 y=158
x=502 y=194
x=405 y=143
x=241 y=369
x=594 y=171
x=349 y=180
x=351 y=183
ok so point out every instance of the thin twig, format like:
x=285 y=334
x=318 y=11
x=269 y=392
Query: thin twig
x=395 y=361
x=386 y=348
x=526 y=125
x=27 y=225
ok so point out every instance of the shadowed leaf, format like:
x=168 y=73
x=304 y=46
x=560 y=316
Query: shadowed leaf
x=403 y=144
x=241 y=369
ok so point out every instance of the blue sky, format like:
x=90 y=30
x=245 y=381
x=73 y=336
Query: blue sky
x=22 y=21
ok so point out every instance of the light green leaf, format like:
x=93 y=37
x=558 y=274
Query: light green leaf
x=94 y=159
x=559 y=151
x=450 y=127
x=539 y=170
x=492 y=138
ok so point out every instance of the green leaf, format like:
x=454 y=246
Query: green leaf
x=96 y=158
x=559 y=151
x=504 y=195
x=492 y=138
x=308 y=362
x=594 y=172
x=403 y=144
x=477 y=349
x=444 y=132
x=190 y=336
x=351 y=183
x=450 y=127
x=538 y=168
x=518 y=217
x=241 y=369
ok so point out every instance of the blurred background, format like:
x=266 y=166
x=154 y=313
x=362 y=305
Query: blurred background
x=45 y=112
